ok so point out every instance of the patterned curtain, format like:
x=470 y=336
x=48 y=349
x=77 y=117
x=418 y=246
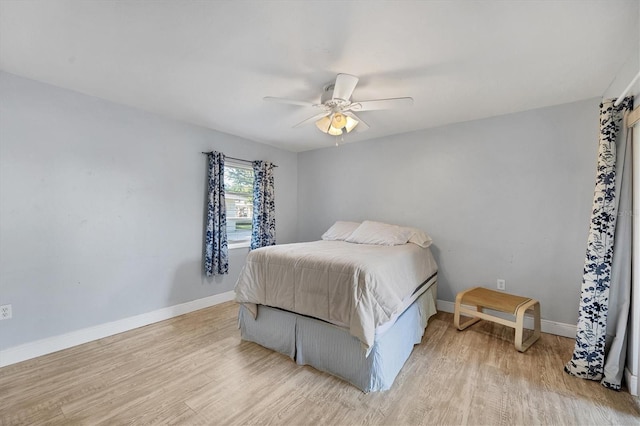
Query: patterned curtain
x=264 y=215
x=216 y=255
x=604 y=287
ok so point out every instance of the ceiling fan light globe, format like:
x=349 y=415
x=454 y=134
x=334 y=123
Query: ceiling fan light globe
x=334 y=132
x=324 y=124
x=351 y=124
x=339 y=120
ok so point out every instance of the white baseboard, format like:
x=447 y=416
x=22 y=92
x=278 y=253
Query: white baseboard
x=551 y=327
x=632 y=382
x=74 y=338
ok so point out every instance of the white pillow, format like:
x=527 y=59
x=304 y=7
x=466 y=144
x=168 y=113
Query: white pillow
x=420 y=238
x=340 y=231
x=378 y=233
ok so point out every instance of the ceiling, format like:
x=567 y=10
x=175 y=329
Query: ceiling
x=211 y=62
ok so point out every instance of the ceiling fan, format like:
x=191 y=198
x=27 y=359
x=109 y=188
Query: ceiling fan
x=337 y=114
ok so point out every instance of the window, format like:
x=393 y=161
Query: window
x=238 y=188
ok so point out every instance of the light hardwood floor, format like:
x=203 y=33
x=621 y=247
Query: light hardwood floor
x=195 y=370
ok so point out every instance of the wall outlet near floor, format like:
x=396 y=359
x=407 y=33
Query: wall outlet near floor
x=502 y=285
x=5 y=312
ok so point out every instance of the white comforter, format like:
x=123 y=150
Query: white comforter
x=356 y=286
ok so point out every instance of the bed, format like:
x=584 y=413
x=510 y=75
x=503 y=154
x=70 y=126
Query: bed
x=352 y=309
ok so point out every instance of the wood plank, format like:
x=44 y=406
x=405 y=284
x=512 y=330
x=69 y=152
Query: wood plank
x=195 y=370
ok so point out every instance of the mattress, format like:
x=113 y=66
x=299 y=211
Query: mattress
x=356 y=286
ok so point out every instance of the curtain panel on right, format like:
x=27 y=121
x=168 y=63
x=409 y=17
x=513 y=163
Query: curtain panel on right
x=264 y=211
x=601 y=336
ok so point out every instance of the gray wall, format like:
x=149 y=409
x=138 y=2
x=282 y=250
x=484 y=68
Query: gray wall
x=506 y=197
x=101 y=209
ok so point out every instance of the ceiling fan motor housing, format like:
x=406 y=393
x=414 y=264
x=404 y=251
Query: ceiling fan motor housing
x=328 y=100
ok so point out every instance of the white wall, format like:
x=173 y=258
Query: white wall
x=506 y=197
x=101 y=210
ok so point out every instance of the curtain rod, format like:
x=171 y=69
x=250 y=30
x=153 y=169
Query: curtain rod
x=624 y=93
x=237 y=159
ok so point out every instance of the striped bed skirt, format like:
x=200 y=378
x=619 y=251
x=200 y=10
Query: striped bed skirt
x=332 y=349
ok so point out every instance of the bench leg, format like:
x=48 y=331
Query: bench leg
x=466 y=324
x=520 y=345
x=456 y=313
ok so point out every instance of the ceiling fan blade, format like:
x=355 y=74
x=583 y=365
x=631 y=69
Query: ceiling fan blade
x=362 y=126
x=312 y=119
x=344 y=86
x=288 y=101
x=381 y=104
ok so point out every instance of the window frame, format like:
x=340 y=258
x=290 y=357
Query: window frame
x=237 y=165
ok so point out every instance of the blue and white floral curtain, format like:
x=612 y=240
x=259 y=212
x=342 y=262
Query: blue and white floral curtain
x=264 y=215
x=216 y=252
x=601 y=337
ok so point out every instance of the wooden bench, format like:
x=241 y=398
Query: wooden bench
x=484 y=298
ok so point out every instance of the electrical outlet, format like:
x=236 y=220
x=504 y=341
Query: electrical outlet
x=5 y=312
x=502 y=285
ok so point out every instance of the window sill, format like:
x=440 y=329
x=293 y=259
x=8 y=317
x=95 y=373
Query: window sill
x=238 y=246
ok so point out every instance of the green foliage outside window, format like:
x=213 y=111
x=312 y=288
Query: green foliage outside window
x=238 y=180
